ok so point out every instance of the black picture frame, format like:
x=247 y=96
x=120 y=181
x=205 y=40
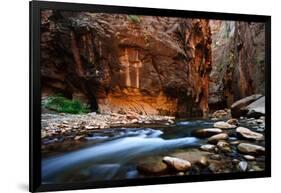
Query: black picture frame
x=35 y=184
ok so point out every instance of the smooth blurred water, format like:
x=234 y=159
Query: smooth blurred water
x=117 y=152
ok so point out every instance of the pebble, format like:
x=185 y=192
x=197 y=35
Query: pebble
x=223 y=125
x=224 y=146
x=207 y=147
x=78 y=137
x=249 y=157
x=235 y=161
x=89 y=127
x=215 y=157
x=243 y=165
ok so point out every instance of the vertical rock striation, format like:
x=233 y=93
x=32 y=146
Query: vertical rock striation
x=121 y=63
x=238 y=61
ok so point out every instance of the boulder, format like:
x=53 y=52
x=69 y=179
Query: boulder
x=238 y=108
x=257 y=108
x=248 y=134
x=208 y=132
x=177 y=163
x=251 y=149
x=152 y=167
x=215 y=138
x=223 y=125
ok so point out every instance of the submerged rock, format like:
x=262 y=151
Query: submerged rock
x=251 y=149
x=177 y=163
x=248 y=134
x=208 y=132
x=152 y=167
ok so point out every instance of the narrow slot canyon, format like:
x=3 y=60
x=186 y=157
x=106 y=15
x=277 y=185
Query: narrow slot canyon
x=129 y=96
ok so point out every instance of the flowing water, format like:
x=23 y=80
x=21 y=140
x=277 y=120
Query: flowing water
x=114 y=153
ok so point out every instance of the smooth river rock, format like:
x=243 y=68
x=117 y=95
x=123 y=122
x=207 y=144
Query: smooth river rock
x=224 y=146
x=251 y=149
x=249 y=157
x=215 y=138
x=248 y=134
x=177 y=163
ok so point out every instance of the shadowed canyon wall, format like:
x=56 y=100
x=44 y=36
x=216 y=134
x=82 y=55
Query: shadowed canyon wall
x=151 y=65
x=121 y=63
x=238 y=59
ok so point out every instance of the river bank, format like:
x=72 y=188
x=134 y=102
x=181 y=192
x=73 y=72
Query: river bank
x=62 y=124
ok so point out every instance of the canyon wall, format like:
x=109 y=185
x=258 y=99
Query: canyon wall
x=127 y=63
x=238 y=59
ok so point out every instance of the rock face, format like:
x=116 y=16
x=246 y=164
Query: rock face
x=117 y=63
x=237 y=66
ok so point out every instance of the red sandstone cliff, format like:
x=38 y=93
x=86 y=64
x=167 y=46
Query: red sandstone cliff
x=238 y=59
x=120 y=63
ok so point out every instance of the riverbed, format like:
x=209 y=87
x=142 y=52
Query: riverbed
x=129 y=152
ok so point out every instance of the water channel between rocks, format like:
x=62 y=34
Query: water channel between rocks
x=115 y=153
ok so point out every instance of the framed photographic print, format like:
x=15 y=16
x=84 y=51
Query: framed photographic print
x=124 y=96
